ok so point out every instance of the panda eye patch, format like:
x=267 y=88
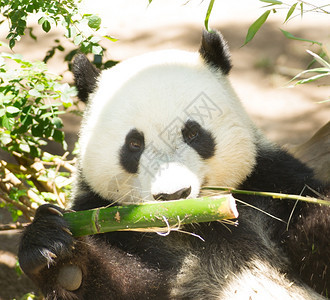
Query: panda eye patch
x=131 y=151
x=198 y=138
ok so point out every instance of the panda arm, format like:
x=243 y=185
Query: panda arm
x=68 y=268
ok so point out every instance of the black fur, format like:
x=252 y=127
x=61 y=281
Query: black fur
x=215 y=52
x=202 y=140
x=85 y=75
x=305 y=240
x=130 y=155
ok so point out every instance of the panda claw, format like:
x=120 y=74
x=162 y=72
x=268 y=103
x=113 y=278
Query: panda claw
x=51 y=255
x=55 y=211
x=67 y=230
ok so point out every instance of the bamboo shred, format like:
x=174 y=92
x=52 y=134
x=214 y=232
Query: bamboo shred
x=159 y=214
x=270 y=194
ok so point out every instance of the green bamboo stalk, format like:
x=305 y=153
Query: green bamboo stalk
x=152 y=215
x=269 y=194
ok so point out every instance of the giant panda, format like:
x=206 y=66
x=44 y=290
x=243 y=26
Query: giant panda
x=161 y=126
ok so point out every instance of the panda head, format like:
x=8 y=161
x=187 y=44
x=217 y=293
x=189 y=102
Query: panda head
x=161 y=125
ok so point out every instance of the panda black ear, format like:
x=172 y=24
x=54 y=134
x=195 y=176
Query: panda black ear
x=85 y=76
x=215 y=52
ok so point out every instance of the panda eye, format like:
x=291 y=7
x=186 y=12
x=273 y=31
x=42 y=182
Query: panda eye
x=135 y=145
x=190 y=133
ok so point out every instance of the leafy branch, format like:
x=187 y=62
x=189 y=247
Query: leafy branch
x=81 y=29
x=320 y=72
x=274 y=6
x=31 y=102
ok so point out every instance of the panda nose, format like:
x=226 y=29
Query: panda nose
x=180 y=194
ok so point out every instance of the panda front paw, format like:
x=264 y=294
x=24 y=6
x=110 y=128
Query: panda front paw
x=45 y=240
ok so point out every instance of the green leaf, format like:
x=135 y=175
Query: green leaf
x=31 y=34
x=41 y=20
x=24 y=147
x=78 y=39
x=315 y=70
x=110 y=38
x=49 y=196
x=58 y=136
x=12 y=110
x=71 y=32
x=292 y=37
x=97 y=50
x=12 y=43
x=62 y=181
x=2 y=111
x=94 y=39
x=37 y=130
x=57 y=122
x=15 y=214
x=290 y=12
x=94 y=21
x=7 y=122
x=5 y=138
x=253 y=29
x=208 y=13
x=110 y=63
x=274 y=2
x=47 y=115
x=46 y=26
x=34 y=151
x=320 y=60
x=27 y=121
x=313 y=78
x=35 y=93
x=39 y=87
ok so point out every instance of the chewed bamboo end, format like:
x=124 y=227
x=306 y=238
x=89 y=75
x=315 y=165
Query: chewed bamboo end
x=228 y=207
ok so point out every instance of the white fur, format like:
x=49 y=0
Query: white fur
x=156 y=93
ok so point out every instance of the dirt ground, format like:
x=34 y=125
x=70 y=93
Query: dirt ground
x=288 y=116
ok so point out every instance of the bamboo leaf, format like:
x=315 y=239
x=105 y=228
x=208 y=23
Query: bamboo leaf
x=316 y=70
x=274 y=2
x=313 y=78
x=290 y=12
x=319 y=59
x=152 y=216
x=208 y=13
x=253 y=29
x=110 y=38
x=292 y=37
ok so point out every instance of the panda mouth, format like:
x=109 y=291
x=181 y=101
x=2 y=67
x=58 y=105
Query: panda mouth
x=180 y=194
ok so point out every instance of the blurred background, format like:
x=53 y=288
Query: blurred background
x=261 y=72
